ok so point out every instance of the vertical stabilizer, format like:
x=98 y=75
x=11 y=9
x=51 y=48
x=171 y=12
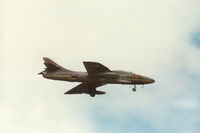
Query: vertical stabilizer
x=51 y=65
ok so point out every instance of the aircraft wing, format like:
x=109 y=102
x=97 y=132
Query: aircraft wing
x=83 y=88
x=94 y=68
x=77 y=90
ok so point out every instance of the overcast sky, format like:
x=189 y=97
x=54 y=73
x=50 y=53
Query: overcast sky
x=155 y=38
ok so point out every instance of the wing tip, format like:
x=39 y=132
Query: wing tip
x=67 y=92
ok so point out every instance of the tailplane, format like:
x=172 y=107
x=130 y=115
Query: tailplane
x=51 y=65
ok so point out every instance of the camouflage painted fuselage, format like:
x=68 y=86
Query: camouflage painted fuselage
x=96 y=75
x=115 y=77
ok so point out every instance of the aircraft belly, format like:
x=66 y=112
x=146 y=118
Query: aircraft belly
x=118 y=81
x=66 y=78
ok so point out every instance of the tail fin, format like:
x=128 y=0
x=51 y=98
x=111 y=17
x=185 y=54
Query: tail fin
x=51 y=65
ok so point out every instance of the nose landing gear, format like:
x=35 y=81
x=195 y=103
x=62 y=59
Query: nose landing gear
x=134 y=88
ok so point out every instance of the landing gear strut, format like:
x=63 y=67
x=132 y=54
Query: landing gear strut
x=134 y=88
x=92 y=92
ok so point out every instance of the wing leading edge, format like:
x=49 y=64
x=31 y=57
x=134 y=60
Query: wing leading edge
x=94 y=68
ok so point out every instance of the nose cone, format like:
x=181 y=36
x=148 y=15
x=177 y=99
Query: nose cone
x=151 y=80
x=148 y=80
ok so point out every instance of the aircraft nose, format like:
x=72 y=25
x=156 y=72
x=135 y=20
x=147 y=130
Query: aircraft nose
x=151 y=80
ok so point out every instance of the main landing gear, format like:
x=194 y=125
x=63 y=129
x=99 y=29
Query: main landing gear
x=92 y=92
x=134 y=88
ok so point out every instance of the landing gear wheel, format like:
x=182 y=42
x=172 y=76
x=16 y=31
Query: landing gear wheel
x=134 y=89
x=93 y=92
x=92 y=95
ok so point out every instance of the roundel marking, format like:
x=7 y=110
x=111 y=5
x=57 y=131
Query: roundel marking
x=74 y=75
x=136 y=76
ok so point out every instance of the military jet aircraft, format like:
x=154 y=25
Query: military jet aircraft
x=97 y=75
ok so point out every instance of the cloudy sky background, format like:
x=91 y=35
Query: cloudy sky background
x=157 y=38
